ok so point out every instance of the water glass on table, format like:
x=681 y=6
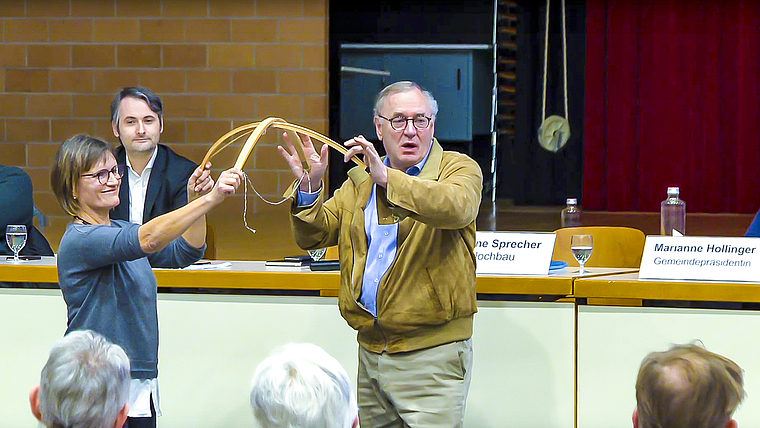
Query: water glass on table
x=582 y=246
x=15 y=236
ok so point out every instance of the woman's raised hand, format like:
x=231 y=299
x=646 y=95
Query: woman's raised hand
x=226 y=184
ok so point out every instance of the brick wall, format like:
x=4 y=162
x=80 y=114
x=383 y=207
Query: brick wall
x=215 y=63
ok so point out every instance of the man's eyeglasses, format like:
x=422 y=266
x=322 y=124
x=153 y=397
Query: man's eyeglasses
x=399 y=122
x=104 y=174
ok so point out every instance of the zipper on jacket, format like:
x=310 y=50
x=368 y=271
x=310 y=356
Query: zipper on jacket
x=377 y=324
x=385 y=338
x=377 y=297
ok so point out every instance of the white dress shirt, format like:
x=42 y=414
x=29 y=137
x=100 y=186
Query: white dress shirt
x=141 y=390
x=138 y=187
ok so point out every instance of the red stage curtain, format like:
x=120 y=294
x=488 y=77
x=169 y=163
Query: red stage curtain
x=672 y=99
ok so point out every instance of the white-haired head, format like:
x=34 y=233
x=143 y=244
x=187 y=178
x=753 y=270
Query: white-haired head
x=301 y=385
x=85 y=383
x=399 y=87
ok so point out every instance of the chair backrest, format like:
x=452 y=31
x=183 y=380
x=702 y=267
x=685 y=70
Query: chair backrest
x=332 y=253
x=613 y=246
x=210 y=253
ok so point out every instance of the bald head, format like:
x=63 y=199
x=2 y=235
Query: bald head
x=687 y=386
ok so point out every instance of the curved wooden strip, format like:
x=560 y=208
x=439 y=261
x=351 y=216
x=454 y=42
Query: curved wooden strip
x=222 y=141
x=258 y=131
x=219 y=149
x=323 y=139
x=259 y=128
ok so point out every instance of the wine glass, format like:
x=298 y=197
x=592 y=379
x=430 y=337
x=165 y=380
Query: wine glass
x=15 y=236
x=582 y=246
x=317 y=254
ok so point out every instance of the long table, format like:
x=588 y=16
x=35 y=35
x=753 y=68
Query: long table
x=528 y=351
x=612 y=341
x=628 y=285
x=524 y=342
x=256 y=275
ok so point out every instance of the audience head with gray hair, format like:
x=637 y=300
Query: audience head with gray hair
x=302 y=386
x=687 y=386
x=84 y=384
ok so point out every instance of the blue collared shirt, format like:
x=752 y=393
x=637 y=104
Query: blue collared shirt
x=382 y=241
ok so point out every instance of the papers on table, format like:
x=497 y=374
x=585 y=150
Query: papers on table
x=209 y=266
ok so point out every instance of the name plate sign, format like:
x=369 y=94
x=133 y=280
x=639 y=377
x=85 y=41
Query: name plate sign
x=514 y=252
x=701 y=258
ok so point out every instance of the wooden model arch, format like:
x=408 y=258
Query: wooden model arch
x=257 y=129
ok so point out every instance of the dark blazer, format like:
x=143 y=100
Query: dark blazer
x=167 y=187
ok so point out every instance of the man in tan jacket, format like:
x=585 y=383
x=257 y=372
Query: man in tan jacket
x=405 y=231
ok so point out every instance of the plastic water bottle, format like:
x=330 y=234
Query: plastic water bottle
x=673 y=213
x=571 y=214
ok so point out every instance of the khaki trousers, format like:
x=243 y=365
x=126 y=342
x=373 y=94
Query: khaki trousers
x=425 y=388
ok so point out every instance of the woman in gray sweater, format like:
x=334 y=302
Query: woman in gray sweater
x=104 y=265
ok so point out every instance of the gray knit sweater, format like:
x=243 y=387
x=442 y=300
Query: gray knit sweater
x=109 y=287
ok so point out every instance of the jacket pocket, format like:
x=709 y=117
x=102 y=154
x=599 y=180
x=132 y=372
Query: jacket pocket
x=455 y=287
x=418 y=303
x=440 y=292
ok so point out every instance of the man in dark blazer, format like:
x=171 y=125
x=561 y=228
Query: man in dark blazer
x=156 y=178
x=17 y=207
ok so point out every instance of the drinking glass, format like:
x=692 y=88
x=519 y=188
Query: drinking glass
x=15 y=236
x=317 y=254
x=582 y=246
